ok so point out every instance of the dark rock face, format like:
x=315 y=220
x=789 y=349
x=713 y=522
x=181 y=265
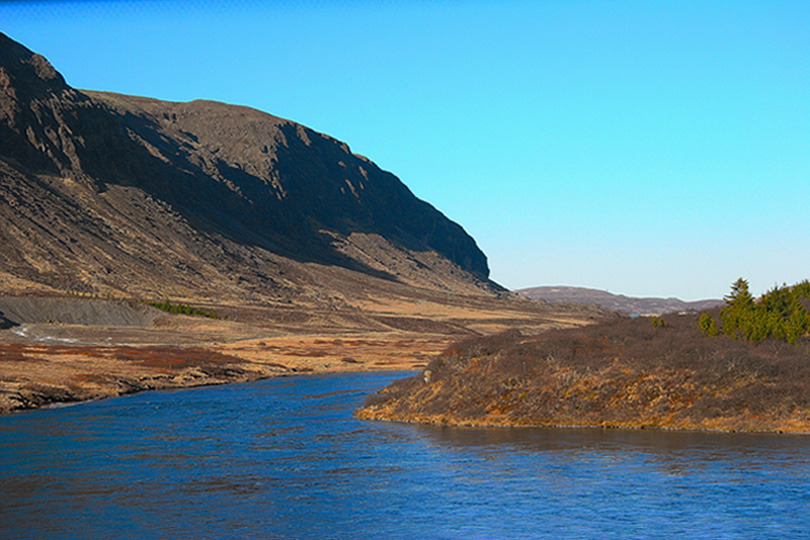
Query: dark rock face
x=96 y=186
x=29 y=124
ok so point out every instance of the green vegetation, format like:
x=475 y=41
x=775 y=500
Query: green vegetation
x=782 y=313
x=183 y=309
x=659 y=322
x=708 y=325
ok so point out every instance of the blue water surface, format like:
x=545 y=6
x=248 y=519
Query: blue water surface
x=285 y=459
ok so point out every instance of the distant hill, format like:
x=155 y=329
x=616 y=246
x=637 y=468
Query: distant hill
x=616 y=302
x=105 y=193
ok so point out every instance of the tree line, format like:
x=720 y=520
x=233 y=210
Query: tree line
x=782 y=313
x=183 y=309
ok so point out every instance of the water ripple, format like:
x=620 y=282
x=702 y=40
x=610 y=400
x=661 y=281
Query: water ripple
x=285 y=459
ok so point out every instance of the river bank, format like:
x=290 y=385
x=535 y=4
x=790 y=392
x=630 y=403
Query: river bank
x=38 y=374
x=68 y=349
x=624 y=373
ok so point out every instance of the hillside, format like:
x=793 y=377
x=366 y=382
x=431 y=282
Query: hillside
x=110 y=194
x=615 y=302
x=618 y=373
x=310 y=257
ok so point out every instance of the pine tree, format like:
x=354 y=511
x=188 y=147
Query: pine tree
x=738 y=314
x=781 y=313
x=708 y=325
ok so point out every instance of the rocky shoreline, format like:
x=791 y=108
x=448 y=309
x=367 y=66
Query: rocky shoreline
x=366 y=414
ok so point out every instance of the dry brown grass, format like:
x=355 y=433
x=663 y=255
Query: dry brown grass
x=256 y=341
x=623 y=373
x=32 y=375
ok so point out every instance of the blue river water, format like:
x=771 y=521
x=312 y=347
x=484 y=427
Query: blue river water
x=285 y=459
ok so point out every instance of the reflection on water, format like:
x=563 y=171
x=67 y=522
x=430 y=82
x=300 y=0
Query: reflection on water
x=284 y=458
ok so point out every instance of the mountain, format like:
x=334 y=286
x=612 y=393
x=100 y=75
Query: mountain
x=263 y=247
x=129 y=196
x=616 y=302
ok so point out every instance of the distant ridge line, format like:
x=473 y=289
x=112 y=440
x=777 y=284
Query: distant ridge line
x=616 y=302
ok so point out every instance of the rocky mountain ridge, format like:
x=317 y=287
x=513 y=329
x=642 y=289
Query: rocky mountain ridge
x=109 y=194
x=307 y=257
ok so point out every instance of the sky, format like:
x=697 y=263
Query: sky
x=648 y=148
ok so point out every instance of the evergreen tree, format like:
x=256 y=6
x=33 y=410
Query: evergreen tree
x=708 y=325
x=738 y=311
x=740 y=295
x=781 y=313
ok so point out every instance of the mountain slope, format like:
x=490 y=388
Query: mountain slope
x=105 y=193
x=616 y=302
x=310 y=258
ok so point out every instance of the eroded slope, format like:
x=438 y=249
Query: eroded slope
x=109 y=193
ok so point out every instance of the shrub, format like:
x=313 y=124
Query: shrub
x=183 y=309
x=708 y=325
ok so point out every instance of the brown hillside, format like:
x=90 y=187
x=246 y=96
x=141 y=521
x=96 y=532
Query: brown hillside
x=312 y=257
x=616 y=302
x=107 y=193
x=619 y=373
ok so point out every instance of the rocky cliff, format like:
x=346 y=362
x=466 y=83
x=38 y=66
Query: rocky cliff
x=106 y=193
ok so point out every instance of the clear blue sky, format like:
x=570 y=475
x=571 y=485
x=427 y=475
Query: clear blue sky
x=651 y=148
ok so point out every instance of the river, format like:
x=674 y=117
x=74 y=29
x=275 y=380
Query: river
x=285 y=459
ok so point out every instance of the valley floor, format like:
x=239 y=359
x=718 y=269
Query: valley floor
x=50 y=362
x=33 y=374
